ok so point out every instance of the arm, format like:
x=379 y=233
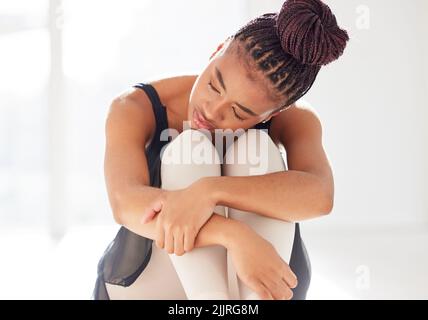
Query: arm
x=129 y=124
x=128 y=128
x=303 y=192
x=217 y=231
x=288 y=195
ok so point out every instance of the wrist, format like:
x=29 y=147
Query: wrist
x=234 y=233
x=210 y=188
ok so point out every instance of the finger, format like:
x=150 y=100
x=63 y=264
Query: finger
x=291 y=282
x=178 y=243
x=157 y=206
x=169 y=242
x=160 y=235
x=260 y=289
x=189 y=240
x=148 y=216
x=289 y=290
x=264 y=292
x=279 y=289
x=273 y=288
x=289 y=276
x=151 y=212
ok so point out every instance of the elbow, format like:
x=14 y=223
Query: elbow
x=327 y=209
x=327 y=204
x=117 y=217
x=116 y=210
x=325 y=197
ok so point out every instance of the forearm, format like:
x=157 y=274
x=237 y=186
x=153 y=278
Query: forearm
x=218 y=230
x=286 y=195
x=129 y=205
x=130 y=202
x=221 y=231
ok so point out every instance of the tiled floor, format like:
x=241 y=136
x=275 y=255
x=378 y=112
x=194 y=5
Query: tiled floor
x=346 y=264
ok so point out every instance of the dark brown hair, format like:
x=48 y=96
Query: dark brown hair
x=290 y=47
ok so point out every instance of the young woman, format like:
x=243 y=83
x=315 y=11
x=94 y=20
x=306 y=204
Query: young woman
x=176 y=237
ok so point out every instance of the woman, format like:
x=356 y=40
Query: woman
x=262 y=70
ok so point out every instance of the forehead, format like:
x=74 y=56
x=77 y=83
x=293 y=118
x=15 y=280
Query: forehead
x=243 y=85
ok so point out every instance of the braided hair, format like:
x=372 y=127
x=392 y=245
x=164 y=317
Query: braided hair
x=290 y=47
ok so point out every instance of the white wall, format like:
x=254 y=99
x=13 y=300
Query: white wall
x=373 y=106
x=371 y=101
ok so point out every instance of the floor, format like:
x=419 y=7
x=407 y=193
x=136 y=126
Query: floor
x=352 y=264
x=376 y=263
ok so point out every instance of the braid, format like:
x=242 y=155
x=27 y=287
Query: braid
x=290 y=47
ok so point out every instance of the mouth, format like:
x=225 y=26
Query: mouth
x=200 y=121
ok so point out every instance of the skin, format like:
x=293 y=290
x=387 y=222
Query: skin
x=174 y=219
x=224 y=86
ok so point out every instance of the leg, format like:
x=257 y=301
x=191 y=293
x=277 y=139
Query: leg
x=261 y=156
x=203 y=271
x=158 y=281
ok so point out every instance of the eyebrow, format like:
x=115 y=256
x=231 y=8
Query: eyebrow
x=220 y=79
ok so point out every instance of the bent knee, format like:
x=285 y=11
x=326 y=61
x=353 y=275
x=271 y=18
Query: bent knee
x=253 y=153
x=190 y=147
x=187 y=158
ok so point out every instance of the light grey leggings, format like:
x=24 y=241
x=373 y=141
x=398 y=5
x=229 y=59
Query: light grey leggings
x=207 y=273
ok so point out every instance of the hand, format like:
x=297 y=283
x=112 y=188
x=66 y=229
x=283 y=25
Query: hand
x=181 y=214
x=260 y=267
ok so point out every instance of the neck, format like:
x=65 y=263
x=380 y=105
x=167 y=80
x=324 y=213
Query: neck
x=177 y=101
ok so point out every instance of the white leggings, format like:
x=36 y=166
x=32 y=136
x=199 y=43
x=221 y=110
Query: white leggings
x=207 y=273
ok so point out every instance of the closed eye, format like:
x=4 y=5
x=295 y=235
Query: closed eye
x=210 y=85
x=236 y=115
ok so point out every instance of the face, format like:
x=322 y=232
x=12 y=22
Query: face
x=226 y=96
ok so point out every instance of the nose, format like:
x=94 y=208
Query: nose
x=216 y=110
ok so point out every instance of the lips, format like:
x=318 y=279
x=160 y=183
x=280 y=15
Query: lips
x=200 y=121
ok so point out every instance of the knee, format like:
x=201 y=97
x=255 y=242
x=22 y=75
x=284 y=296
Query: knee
x=187 y=158
x=253 y=153
x=190 y=147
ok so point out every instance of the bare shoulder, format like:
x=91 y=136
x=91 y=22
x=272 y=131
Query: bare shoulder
x=131 y=112
x=134 y=107
x=167 y=89
x=173 y=88
x=131 y=116
x=299 y=121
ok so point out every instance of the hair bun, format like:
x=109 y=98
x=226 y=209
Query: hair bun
x=309 y=32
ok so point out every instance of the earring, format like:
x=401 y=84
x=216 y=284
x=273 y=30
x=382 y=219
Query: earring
x=264 y=121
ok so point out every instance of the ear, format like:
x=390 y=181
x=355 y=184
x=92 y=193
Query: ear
x=271 y=116
x=218 y=49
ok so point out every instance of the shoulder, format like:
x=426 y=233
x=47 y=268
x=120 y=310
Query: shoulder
x=299 y=121
x=168 y=89
x=132 y=110
x=130 y=117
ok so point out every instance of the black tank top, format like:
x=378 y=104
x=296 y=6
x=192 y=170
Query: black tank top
x=128 y=254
